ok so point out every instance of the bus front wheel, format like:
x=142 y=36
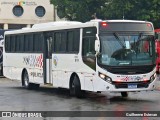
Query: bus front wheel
x=124 y=94
x=75 y=88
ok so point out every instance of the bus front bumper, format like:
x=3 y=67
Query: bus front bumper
x=128 y=87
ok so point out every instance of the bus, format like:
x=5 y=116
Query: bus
x=157 y=44
x=97 y=56
x=1 y=50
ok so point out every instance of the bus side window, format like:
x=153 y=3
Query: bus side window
x=88 y=44
x=60 y=42
x=73 y=38
x=13 y=43
x=89 y=37
x=88 y=47
x=7 y=44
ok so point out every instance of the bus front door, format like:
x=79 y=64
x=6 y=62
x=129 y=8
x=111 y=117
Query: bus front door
x=47 y=70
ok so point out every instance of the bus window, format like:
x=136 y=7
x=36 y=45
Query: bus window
x=88 y=51
x=60 y=42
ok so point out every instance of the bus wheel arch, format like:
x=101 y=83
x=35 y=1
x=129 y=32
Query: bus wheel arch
x=75 y=86
x=25 y=81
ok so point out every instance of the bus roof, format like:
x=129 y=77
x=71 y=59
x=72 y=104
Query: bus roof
x=135 y=21
x=54 y=24
x=68 y=24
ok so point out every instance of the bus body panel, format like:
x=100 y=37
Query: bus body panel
x=73 y=64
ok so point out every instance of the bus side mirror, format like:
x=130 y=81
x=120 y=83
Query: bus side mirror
x=97 y=46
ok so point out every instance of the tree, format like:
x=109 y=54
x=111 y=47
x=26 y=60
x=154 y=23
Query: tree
x=83 y=10
x=146 y=10
x=79 y=10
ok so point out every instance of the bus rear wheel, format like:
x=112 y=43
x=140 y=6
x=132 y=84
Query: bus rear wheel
x=26 y=84
x=75 y=88
x=25 y=80
x=124 y=94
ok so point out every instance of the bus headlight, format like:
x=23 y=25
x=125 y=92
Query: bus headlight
x=105 y=77
x=152 y=78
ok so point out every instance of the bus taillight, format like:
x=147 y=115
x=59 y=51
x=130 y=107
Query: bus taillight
x=104 y=24
x=149 y=25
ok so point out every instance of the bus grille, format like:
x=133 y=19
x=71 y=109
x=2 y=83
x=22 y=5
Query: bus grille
x=125 y=84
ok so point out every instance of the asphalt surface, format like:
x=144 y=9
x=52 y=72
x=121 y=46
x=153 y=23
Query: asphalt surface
x=13 y=97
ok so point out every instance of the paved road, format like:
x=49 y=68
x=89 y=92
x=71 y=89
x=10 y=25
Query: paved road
x=15 y=98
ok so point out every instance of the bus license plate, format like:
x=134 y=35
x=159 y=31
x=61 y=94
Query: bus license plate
x=132 y=86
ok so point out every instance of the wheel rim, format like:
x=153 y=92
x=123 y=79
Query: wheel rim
x=26 y=80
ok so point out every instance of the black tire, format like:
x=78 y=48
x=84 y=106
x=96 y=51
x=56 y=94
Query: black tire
x=75 y=88
x=25 y=80
x=124 y=94
x=35 y=86
x=1 y=71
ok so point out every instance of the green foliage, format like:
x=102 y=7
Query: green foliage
x=84 y=10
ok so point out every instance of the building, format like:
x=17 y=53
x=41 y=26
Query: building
x=16 y=14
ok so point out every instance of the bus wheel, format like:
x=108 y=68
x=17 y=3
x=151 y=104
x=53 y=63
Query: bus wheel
x=124 y=94
x=25 y=81
x=75 y=88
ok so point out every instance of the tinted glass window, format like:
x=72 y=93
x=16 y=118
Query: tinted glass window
x=40 y=11
x=26 y=43
x=60 y=42
x=73 y=38
x=18 y=10
x=17 y=43
x=88 y=43
x=7 y=44
x=38 y=42
x=21 y=43
x=30 y=37
x=70 y=39
x=76 y=40
x=13 y=43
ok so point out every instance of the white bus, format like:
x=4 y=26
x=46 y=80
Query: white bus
x=1 y=50
x=110 y=55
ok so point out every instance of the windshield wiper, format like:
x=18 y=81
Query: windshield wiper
x=119 y=39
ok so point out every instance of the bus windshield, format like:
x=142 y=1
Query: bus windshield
x=126 y=50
